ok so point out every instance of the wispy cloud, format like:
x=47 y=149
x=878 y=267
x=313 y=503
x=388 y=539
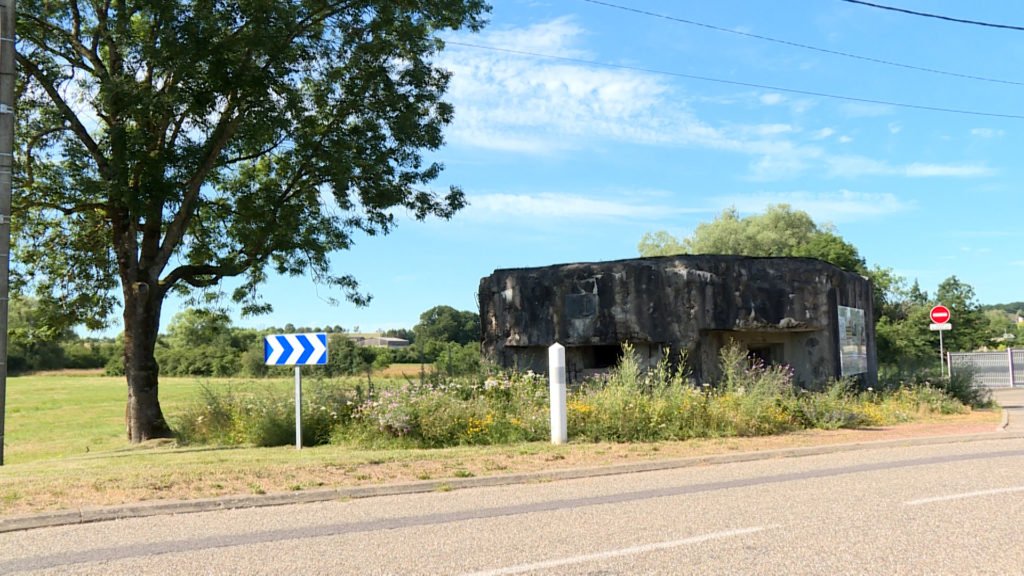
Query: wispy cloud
x=985 y=234
x=865 y=109
x=986 y=132
x=840 y=206
x=822 y=134
x=957 y=170
x=563 y=206
x=532 y=105
x=853 y=166
x=556 y=36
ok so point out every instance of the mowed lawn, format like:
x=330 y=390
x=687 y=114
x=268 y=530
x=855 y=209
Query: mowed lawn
x=71 y=413
x=59 y=415
x=56 y=416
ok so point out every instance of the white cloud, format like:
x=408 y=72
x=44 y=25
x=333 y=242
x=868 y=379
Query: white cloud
x=917 y=170
x=986 y=132
x=822 y=134
x=849 y=166
x=845 y=139
x=554 y=37
x=865 y=109
x=762 y=130
x=783 y=159
x=841 y=206
x=802 y=105
x=853 y=166
x=526 y=104
x=552 y=205
x=895 y=128
x=532 y=105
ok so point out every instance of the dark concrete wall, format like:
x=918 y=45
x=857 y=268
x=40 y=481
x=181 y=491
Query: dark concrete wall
x=693 y=304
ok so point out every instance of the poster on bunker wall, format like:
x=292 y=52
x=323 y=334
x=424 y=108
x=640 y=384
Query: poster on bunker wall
x=853 y=341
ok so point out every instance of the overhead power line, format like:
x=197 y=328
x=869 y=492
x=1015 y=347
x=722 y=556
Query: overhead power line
x=735 y=82
x=804 y=46
x=937 y=16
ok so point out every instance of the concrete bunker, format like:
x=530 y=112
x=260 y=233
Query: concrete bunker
x=800 y=312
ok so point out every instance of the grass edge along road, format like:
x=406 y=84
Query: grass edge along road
x=65 y=436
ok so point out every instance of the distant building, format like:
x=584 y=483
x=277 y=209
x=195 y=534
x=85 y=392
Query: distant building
x=383 y=342
x=800 y=312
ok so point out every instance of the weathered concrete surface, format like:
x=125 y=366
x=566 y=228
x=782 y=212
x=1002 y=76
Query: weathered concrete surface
x=782 y=309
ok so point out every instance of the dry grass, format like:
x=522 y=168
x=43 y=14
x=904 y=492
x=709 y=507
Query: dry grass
x=160 y=470
x=66 y=450
x=404 y=370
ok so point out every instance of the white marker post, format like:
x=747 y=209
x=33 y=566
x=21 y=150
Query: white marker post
x=556 y=373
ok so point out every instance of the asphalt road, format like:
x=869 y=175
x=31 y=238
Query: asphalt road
x=941 y=509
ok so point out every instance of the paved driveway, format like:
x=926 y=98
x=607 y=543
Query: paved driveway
x=1009 y=398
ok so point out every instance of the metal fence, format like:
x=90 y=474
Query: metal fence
x=1003 y=369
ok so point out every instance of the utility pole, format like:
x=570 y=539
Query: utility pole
x=7 y=72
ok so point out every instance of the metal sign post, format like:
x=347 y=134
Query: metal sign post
x=296 y=350
x=940 y=317
x=7 y=72
x=940 y=328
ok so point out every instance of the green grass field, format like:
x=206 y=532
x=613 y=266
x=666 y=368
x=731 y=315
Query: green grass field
x=57 y=416
x=64 y=414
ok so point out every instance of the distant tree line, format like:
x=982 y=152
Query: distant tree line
x=205 y=343
x=200 y=342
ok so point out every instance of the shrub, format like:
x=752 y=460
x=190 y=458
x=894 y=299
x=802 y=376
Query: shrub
x=961 y=386
x=503 y=409
x=629 y=404
x=263 y=416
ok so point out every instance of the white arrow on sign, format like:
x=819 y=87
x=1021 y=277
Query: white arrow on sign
x=275 y=351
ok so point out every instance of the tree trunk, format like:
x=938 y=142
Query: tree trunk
x=144 y=419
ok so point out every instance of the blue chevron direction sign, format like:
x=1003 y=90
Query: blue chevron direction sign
x=295 y=349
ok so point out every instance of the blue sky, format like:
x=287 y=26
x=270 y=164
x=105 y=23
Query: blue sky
x=563 y=160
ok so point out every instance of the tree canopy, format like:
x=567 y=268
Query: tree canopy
x=446 y=324
x=779 y=231
x=900 y=311
x=170 y=145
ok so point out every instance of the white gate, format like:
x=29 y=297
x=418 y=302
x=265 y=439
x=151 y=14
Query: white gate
x=1004 y=369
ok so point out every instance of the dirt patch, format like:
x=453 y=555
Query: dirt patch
x=72 y=372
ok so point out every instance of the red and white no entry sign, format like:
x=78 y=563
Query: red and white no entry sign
x=939 y=314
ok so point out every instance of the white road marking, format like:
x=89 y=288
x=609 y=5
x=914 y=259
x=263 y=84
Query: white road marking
x=964 y=496
x=557 y=562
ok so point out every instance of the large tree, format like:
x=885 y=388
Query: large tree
x=780 y=231
x=170 y=144
x=446 y=324
x=970 y=329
